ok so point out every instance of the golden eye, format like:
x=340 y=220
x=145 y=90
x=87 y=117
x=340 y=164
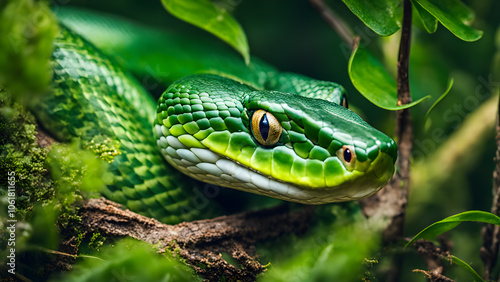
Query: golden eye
x=266 y=128
x=343 y=101
x=348 y=156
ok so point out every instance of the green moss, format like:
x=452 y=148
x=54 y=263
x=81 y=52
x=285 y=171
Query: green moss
x=19 y=153
x=369 y=264
x=97 y=241
x=106 y=148
x=49 y=185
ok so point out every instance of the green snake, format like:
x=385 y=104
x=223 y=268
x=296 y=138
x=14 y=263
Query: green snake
x=221 y=122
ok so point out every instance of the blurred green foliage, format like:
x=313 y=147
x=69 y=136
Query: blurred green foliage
x=129 y=260
x=28 y=28
x=77 y=173
x=336 y=248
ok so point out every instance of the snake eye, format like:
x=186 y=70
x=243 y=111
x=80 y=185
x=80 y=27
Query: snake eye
x=266 y=128
x=343 y=101
x=348 y=156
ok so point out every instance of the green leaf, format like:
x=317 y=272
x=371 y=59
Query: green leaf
x=453 y=221
x=454 y=15
x=450 y=84
x=369 y=12
x=467 y=267
x=373 y=81
x=208 y=16
x=428 y=21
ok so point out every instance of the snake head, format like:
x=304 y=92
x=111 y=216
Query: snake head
x=277 y=144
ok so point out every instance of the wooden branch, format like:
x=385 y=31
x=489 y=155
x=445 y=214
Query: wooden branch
x=491 y=233
x=201 y=242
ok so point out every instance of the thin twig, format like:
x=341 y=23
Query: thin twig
x=434 y=275
x=404 y=129
x=491 y=233
x=433 y=255
x=66 y=254
x=334 y=21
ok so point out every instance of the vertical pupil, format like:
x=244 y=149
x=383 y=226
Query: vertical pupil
x=343 y=102
x=347 y=155
x=264 y=127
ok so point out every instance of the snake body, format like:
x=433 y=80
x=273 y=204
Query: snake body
x=250 y=128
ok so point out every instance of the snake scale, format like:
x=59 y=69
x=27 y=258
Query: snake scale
x=251 y=128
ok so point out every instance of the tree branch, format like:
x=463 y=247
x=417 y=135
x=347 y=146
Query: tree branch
x=201 y=242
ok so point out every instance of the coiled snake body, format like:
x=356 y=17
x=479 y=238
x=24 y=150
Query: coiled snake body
x=245 y=127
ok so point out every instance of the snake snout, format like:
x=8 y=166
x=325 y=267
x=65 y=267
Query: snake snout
x=390 y=148
x=388 y=152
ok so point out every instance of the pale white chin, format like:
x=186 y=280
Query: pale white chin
x=209 y=167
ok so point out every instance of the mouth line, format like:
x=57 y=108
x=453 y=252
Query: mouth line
x=207 y=166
